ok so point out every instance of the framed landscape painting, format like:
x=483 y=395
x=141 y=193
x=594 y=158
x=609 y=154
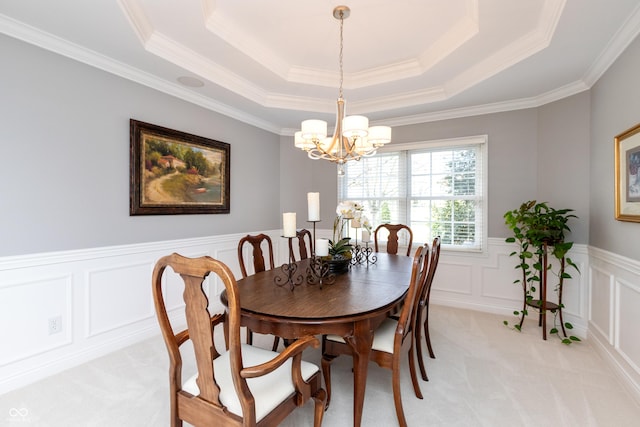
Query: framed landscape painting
x=173 y=172
x=627 y=175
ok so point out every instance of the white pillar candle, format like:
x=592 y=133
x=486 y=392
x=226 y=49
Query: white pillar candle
x=322 y=247
x=313 y=201
x=365 y=236
x=289 y=224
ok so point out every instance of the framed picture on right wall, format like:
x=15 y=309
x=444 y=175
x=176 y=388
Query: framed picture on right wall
x=627 y=175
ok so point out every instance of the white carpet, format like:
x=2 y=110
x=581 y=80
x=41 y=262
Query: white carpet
x=484 y=374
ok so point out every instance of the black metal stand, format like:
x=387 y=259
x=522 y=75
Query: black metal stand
x=362 y=255
x=318 y=272
x=289 y=271
x=313 y=243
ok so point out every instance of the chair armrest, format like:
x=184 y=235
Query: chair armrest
x=295 y=349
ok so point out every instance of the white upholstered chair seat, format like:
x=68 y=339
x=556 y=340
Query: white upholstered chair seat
x=269 y=390
x=382 y=338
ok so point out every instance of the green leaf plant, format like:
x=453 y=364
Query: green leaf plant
x=539 y=229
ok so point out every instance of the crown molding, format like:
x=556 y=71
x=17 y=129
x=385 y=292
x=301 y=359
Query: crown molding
x=78 y=53
x=497 y=107
x=627 y=32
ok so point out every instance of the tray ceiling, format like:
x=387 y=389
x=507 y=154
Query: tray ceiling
x=274 y=63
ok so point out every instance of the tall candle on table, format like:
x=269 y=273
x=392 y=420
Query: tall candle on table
x=365 y=236
x=313 y=202
x=289 y=224
x=322 y=247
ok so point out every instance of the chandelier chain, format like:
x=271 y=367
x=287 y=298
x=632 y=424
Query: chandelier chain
x=341 y=43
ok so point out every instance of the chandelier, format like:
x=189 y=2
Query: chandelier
x=352 y=137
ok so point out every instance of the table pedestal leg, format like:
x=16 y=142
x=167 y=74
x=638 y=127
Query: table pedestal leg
x=360 y=343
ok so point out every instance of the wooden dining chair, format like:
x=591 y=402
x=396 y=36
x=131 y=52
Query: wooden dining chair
x=423 y=308
x=237 y=384
x=257 y=255
x=388 y=338
x=258 y=258
x=392 y=240
x=305 y=245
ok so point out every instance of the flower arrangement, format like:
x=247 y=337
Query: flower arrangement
x=346 y=211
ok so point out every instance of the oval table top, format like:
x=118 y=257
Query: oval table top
x=361 y=290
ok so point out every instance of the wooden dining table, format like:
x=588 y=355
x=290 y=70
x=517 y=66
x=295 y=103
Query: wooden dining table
x=353 y=306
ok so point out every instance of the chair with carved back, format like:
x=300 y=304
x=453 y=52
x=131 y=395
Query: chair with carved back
x=305 y=244
x=257 y=242
x=423 y=307
x=236 y=384
x=258 y=258
x=392 y=239
x=388 y=338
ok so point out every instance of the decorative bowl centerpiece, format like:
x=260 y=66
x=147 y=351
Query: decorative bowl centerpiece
x=339 y=256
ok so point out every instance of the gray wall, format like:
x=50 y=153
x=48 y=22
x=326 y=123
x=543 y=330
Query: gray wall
x=64 y=180
x=615 y=107
x=64 y=183
x=534 y=154
x=300 y=175
x=563 y=159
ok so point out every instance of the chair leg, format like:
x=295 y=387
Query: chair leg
x=326 y=373
x=397 y=398
x=417 y=337
x=320 y=402
x=426 y=333
x=276 y=341
x=412 y=370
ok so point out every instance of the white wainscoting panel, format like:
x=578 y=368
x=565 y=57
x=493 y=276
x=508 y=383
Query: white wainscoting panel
x=496 y=274
x=117 y=296
x=627 y=321
x=601 y=308
x=103 y=296
x=25 y=332
x=485 y=282
x=615 y=313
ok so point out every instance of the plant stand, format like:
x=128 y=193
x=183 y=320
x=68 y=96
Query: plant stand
x=542 y=304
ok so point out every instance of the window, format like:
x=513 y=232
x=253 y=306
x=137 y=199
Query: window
x=438 y=188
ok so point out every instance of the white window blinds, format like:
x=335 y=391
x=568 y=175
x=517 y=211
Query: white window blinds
x=438 y=188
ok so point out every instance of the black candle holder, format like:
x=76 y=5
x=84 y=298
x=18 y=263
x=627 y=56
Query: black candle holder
x=289 y=277
x=318 y=272
x=363 y=255
x=313 y=242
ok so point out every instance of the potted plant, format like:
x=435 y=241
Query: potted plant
x=539 y=231
x=340 y=247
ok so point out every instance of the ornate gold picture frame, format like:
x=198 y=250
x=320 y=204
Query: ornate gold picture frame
x=627 y=175
x=173 y=172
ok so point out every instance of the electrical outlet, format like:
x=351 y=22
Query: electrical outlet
x=55 y=325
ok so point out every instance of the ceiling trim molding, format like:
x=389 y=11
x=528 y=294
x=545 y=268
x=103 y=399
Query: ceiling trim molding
x=498 y=107
x=477 y=110
x=224 y=27
x=628 y=31
x=400 y=100
x=49 y=42
x=158 y=44
x=136 y=17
